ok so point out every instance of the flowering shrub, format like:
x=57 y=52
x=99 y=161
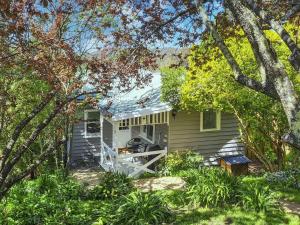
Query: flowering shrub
x=289 y=178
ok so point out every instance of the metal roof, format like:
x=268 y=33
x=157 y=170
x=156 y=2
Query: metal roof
x=237 y=159
x=137 y=102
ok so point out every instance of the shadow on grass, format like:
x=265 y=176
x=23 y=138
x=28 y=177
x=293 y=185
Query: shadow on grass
x=230 y=216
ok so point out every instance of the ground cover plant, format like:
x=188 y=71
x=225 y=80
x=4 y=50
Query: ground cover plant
x=142 y=209
x=113 y=185
x=212 y=187
x=285 y=179
x=53 y=199
x=210 y=196
x=50 y=199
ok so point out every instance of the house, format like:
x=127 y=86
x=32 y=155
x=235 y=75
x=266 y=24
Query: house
x=139 y=119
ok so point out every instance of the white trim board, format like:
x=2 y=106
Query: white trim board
x=141 y=112
x=218 y=122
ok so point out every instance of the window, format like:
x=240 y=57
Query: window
x=210 y=120
x=124 y=124
x=148 y=132
x=156 y=118
x=92 y=123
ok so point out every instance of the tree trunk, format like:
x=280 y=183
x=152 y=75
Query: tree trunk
x=274 y=69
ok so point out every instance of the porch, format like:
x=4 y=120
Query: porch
x=126 y=162
x=134 y=145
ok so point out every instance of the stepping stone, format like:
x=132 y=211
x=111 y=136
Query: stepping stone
x=161 y=183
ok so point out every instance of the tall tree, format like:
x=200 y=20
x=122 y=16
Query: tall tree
x=187 y=22
x=262 y=119
x=68 y=47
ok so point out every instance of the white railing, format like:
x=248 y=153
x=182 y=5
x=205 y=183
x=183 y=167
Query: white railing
x=108 y=158
x=129 y=163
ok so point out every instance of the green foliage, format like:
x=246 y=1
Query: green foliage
x=234 y=216
x=171 y=82
x=176 y=162
x=141 y=209
x=209 y=83
x=54 y=199
x=113 y=185
x=23 y=92
x=258 y=198
x=50 y=199
x=211 y=187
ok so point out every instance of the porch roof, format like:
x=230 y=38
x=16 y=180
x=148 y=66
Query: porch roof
x=137 y=102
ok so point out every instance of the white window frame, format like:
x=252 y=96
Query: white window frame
x=86 y=111
x=218 y=122
x=124 y=124
x=157 y=118
x=144 y=135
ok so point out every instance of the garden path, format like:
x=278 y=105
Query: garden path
x=290 y=207
x=88 y=176
x=92 y=176
x=160 y=183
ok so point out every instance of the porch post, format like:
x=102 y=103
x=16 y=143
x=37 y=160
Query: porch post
x=101 y=137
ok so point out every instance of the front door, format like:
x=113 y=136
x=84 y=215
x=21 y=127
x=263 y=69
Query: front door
x=122 y=136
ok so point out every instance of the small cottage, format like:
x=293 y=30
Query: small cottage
x=119 y=133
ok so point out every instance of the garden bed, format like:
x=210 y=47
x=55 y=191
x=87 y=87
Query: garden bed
x=180 y=194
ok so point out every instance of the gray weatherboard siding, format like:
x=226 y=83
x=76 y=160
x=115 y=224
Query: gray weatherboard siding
x=83 y=149
x=184 y=134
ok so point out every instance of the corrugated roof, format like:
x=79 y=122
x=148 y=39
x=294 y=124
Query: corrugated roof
x=237 y=159
x=138 y=102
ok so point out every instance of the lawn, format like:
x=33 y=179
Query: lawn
x=286 y=193
x=224 y=215
x=234 y=215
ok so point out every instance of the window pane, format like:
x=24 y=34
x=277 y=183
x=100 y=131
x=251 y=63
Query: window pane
x=209 y=119
x=150 y=132
x=93 y=116
x=93 y=128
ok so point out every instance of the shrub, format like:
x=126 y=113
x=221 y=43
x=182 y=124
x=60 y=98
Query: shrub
x=211 y=187
x=180 y=161
x=50 y=199
x=141 y=209
x=287 y=179
x=113 y=185
x=258 y=198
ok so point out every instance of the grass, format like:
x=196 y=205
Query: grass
x=230 y=215
x=233 y=215
x=289 y=194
